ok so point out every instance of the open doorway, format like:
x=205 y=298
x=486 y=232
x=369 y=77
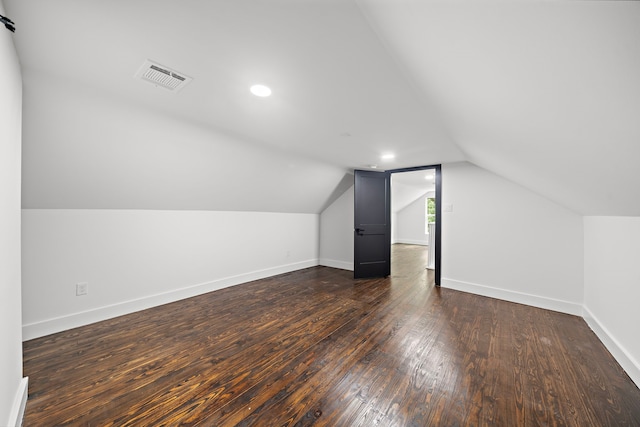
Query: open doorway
x=415 y=219
x=372 y=221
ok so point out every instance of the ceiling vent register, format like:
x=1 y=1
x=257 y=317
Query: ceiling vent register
x=162 y=76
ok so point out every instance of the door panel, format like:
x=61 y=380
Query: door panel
x=372 y=233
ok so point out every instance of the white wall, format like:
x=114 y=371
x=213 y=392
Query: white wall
x=394 y=227
x=612 y=286
x=135 y=259
x=336 y=233
x=504 y=241
x=12 y=386
x=410 y=222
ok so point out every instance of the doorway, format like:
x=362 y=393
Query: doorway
x=415 y=225
x=373 y=221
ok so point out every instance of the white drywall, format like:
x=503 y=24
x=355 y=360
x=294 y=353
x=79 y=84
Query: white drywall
x=410 y=222
x=11 y=389
x=504 y=241
x=135 y=259
x=545 y=93
x=336 y=233
x=394 y=228
x=612 y=286
x=84 y=149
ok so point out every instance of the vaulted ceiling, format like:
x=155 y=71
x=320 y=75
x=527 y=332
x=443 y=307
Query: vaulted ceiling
x=407 y=187
x=544 y=93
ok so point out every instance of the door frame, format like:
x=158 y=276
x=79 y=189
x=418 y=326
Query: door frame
x=438 y=238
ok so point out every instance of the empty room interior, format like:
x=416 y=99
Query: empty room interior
x=177 y=212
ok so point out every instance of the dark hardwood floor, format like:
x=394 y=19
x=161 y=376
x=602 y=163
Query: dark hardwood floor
x=316 y=347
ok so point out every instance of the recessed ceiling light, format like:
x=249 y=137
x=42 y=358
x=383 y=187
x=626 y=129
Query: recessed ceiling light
x=260 y=90
x=429 y=177
x=388 y=156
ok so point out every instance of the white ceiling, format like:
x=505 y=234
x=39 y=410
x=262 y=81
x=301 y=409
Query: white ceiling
x=544 y=93
x=407 y=187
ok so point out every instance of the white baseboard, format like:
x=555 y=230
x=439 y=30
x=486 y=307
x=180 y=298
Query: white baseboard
x=74 y=320
x=412 y=242
x=512 y=296
x=19 y=403
x=343 y=265
x=622 y=356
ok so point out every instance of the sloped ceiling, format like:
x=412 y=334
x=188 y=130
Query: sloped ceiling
x=544 y=93
x=407 y=187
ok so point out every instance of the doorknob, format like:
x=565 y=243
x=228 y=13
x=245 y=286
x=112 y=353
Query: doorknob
x=360 y=231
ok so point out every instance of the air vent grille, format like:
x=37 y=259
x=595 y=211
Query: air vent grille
x=162 y=76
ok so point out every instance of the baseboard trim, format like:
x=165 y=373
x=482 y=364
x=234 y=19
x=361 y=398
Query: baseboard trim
x=74 y=320
x=512 y=296
x=343 y=265
x=19 y=403
x=412 y=242
x=622 y=356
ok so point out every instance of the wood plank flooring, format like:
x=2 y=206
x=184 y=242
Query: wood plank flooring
x=316 y=347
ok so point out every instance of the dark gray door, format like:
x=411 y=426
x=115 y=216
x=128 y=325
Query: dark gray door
x=372 y=233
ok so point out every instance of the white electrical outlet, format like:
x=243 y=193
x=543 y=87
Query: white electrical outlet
x=82 y=288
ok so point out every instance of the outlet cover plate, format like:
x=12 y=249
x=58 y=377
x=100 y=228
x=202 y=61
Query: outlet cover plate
x=82 y=288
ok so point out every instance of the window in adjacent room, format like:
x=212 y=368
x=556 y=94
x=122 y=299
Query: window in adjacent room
x=430 y=209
